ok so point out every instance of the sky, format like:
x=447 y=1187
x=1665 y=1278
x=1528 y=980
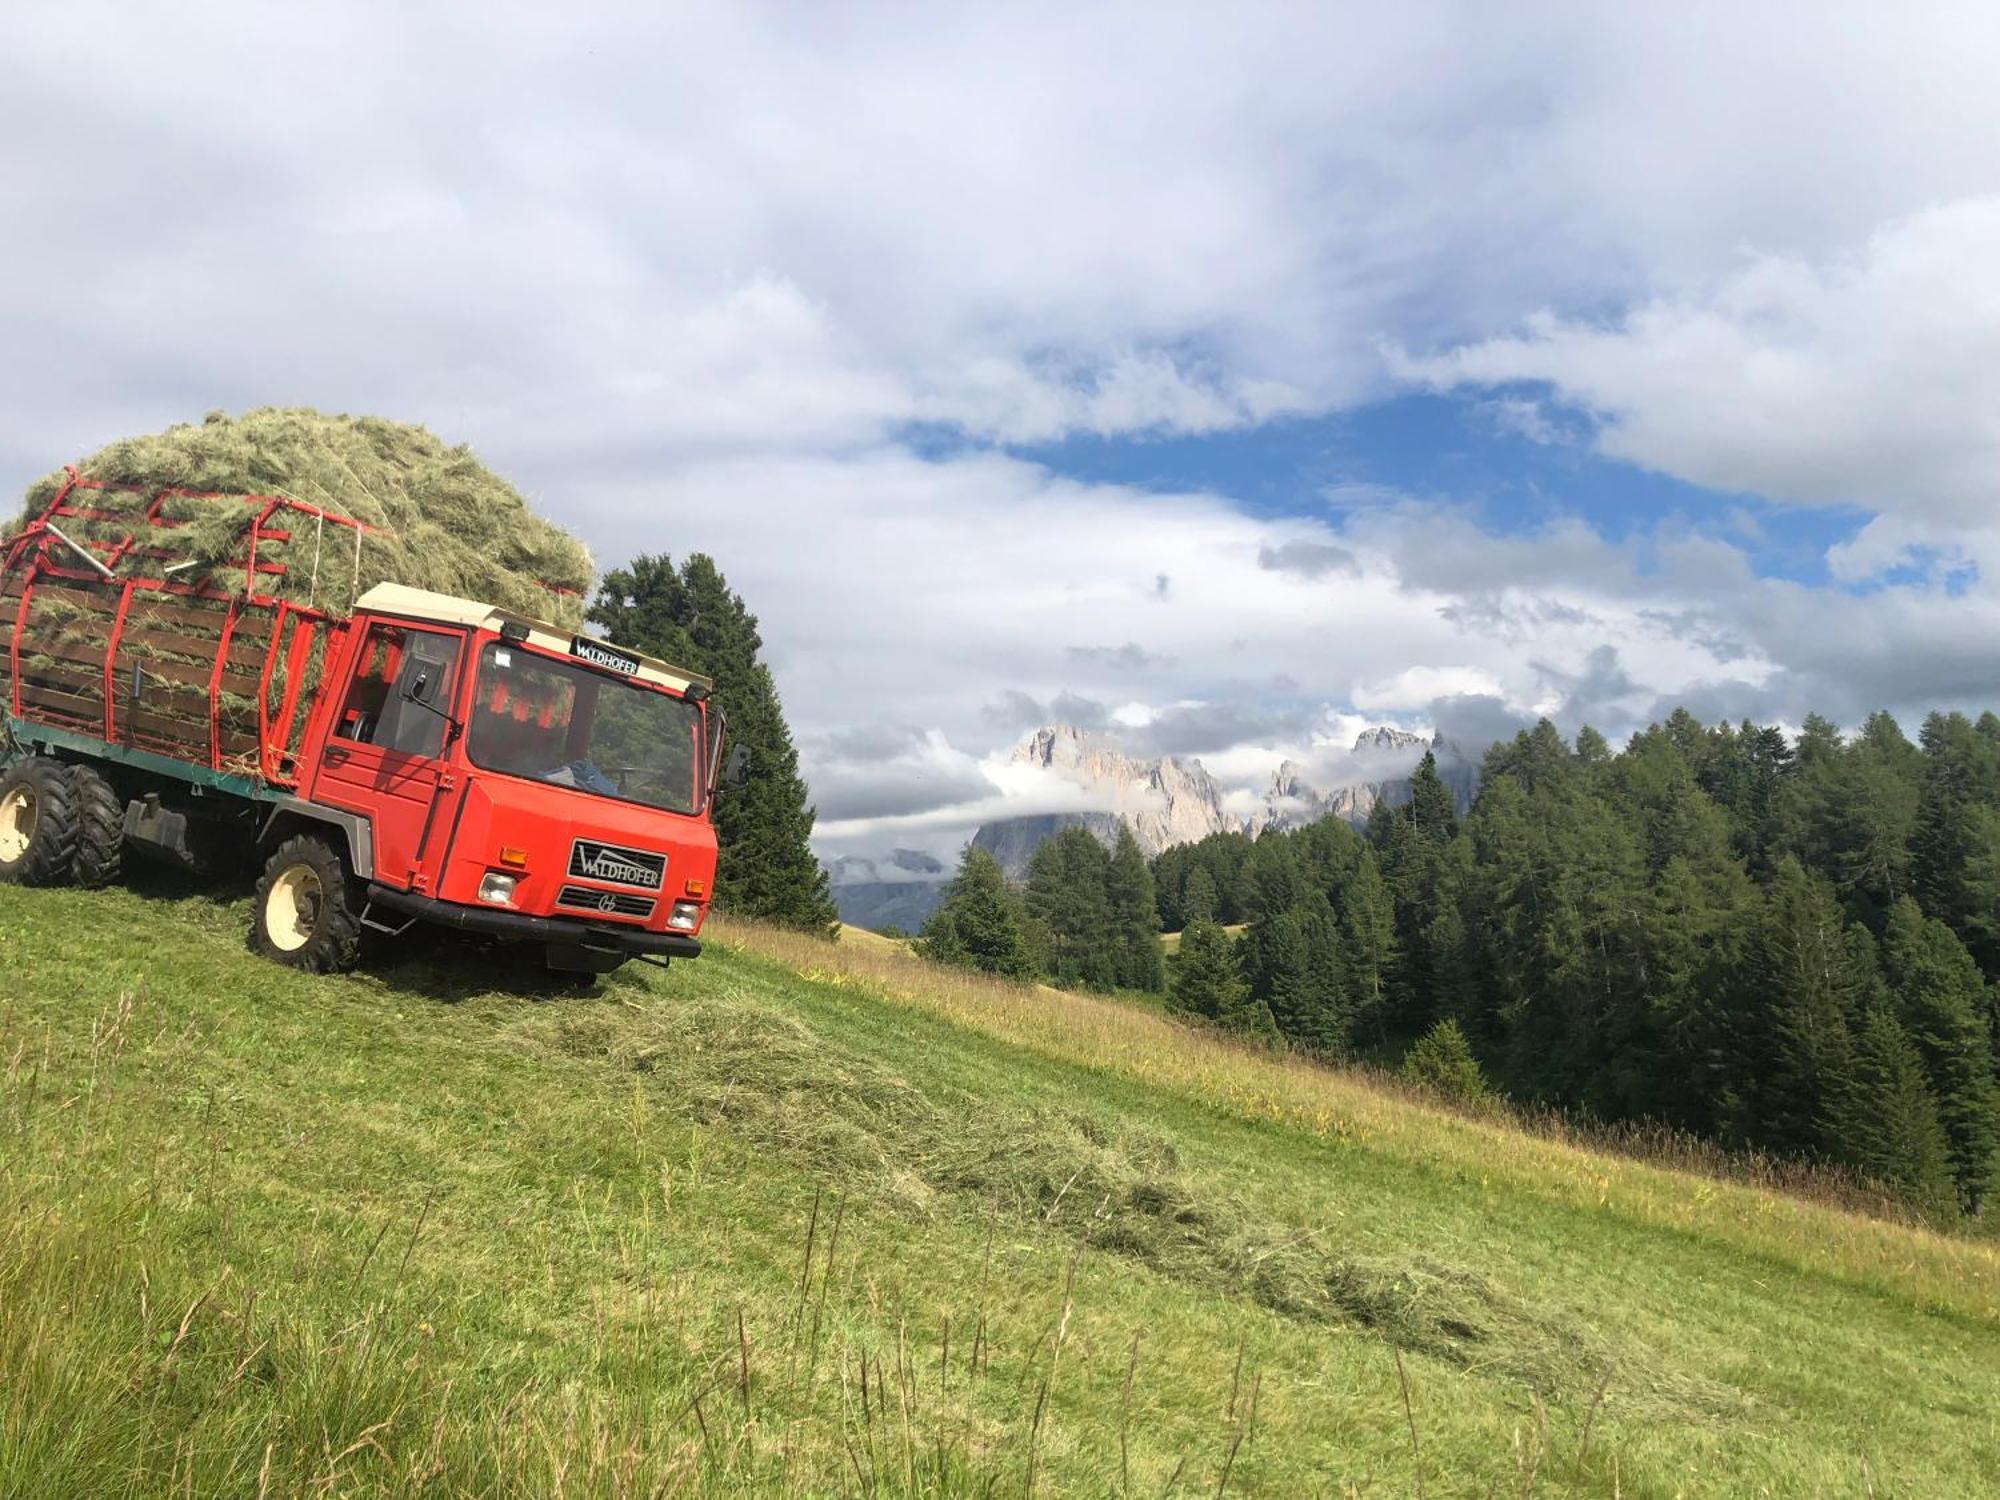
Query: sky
x=1226 y=378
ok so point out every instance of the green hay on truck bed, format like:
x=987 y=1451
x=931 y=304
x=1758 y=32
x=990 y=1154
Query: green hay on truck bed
x=442 y=520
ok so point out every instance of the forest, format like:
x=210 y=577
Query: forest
x=1787 y=944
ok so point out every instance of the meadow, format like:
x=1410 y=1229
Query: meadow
x=811 y=1219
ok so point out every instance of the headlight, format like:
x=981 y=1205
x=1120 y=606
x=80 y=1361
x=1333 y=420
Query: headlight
x=685 y=917
x=498 y=889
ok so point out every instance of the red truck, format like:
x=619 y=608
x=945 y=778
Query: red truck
x=416 y=759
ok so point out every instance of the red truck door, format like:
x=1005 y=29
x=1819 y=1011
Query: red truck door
x=384 y=755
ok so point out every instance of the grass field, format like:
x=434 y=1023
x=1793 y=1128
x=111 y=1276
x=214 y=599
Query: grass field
x=1171 y=941
x=800 y=1219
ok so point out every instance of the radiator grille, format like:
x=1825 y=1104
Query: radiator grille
x=607 y=903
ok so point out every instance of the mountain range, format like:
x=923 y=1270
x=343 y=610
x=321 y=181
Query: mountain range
x=1164 y=801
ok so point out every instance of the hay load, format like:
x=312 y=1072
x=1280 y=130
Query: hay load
x=265 y=504
x=436 y=517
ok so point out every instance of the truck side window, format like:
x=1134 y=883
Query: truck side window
x=395 y=665
x=368 y=693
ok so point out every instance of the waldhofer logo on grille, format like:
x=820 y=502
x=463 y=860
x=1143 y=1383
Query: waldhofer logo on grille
x=608 y=862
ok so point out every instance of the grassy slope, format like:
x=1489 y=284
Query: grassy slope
x=424 y=1230
x=1171 y=941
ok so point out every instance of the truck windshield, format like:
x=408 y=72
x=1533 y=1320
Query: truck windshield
x=548 y=721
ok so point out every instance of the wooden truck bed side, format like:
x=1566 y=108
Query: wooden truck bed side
x=221 y=681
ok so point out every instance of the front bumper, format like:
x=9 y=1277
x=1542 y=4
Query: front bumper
x=522 y=927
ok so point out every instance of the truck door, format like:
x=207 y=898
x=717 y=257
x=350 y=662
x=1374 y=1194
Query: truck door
x=384 y=755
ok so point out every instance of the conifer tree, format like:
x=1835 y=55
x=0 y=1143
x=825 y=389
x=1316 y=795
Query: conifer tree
x=1871 y=814
x=1067 y=900
x=1368 y=921
x=1272 y=880
x=1293 y=962
x=1941 y=1002
x=1809 y=995
x=1198 y=897
x=1979 y=889
x=1252 y=1018
x=980 y=923
x=1442 y=1061
x=690 y=616
x=1944 y=840
x=1135 y=918
x=1204 y=978
x=1433 y=811
x=1886 y=1121
x=1690 y=1038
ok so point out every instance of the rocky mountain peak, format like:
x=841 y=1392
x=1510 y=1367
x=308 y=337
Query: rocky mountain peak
x=1164 y=801
x=1382 y=737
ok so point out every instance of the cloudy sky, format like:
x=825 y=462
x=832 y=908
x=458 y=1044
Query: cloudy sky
x=1233 y=376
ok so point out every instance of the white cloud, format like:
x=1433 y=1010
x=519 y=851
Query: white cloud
x=1863 y=379
x=891 y=585
x=1418 y=687
x=691 y=275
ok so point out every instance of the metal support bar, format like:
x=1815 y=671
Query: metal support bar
x=77 y=547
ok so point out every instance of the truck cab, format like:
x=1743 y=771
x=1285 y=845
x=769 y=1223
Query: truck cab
x=498 y=775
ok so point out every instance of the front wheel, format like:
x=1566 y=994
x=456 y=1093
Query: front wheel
x=306 y=914
x=38 y=830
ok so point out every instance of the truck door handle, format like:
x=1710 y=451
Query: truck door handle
x=334 y=756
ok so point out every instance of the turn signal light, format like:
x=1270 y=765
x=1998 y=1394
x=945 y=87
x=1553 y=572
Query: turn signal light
x=695 y=888
x=514 y=859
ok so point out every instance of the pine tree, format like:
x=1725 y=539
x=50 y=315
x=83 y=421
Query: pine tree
x=1535 y=757
x=1944 y=840
x=1205 y=981
x=1198 y=898
x=1252 y=1018
x=1687 y=1041
x=690 y=616
x=1293 y=962
x=1135 y=918
x=1809 y=995
x=1442 y=1062
x=979 y=924
x=1433 y=810
x=1368 y=921
x=1871 y=815
x=1979 y=888
x=1067 y=900
x=1941 y=1002
x=1272 y=881
x=1886 y=1121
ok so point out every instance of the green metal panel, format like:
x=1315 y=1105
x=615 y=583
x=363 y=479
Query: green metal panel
x=29 y=736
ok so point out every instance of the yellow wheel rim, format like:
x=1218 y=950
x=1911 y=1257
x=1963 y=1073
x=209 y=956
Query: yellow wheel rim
x=291 y=910
x=17 y=824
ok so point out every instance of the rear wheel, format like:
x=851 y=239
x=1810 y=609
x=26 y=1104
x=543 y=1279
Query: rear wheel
x=37 y=823
x=100 y=829
x=306 y=914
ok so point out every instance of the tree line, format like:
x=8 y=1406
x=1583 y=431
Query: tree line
x=1790 y=944
x=1086 y=917
x=1784 y=944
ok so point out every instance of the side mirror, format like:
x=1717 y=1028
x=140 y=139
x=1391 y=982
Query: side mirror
x=736 y=767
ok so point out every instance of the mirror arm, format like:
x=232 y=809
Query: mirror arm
x=453 y=729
